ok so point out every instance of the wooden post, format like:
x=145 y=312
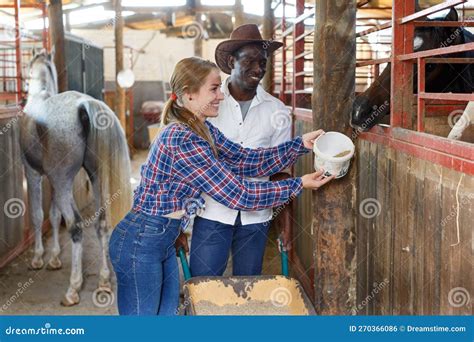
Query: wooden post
x=56 y=34
x=333 y=94
x=239 y=14
x=401 y=99
x=119 y=91
x=199 y=37
x=268 y=25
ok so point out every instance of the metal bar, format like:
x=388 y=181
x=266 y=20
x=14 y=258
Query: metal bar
x=444 y=23
x=450 y=60
x=446 y=96
x=373 y=62
x=426 y=147
x=283 y=53
x=401 y=73
x=436 y=52
x=18 y=51
x=439 y=144
x=46 y=44
x=304 y=73
x=421 y=101
x=428 y=11
x=303 y=17
x=287 y=32
x=304 y=35
x=375 y=29
x=306 y=53
x=302 y=114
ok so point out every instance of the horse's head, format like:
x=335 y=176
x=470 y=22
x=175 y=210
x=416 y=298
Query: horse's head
x=42 y=75
x=373 y=105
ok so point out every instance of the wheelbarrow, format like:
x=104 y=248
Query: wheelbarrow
x=245 y=295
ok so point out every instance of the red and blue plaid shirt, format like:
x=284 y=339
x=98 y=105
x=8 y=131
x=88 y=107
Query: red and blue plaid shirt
x=181 y=166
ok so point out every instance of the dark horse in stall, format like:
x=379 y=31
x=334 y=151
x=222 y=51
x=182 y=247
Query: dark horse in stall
x=373 y=105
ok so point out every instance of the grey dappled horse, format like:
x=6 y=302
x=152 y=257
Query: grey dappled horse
x=61 y=133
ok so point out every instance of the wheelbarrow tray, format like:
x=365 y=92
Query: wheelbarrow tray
x=246 y=295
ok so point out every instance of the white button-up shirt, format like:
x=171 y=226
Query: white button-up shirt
x=267 y=124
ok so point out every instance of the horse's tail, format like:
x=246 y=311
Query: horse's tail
x=107 y=141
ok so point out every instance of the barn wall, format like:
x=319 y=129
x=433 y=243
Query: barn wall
x=156 y=64
x=12 y=201
x=303 y=262
x=409 y=261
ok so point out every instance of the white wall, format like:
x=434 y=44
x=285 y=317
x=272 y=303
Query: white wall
x=161 y=53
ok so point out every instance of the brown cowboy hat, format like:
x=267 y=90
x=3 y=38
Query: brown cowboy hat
x=241 y=36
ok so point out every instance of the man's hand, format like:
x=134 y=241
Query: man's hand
x=309 y=138
x=181 y=242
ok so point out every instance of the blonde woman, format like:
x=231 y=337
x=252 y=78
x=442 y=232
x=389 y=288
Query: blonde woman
x=190 y=157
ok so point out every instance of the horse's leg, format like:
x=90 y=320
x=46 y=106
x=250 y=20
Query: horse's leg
x=55 y=219
x=64 y=199
x=35 y=193
x=103 y=233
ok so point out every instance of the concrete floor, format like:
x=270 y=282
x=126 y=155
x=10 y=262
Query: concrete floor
x=28 y=292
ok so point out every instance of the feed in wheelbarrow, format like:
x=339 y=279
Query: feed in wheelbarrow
x=262 y=295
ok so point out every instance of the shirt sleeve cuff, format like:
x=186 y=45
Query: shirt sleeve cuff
x=297 y=187
x=299 y=146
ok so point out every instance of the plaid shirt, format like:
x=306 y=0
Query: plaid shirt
x=181 y=166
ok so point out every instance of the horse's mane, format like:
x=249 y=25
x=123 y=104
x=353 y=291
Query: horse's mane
x=43 y=55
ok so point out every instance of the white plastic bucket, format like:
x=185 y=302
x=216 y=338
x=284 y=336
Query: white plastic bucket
x=327 y=147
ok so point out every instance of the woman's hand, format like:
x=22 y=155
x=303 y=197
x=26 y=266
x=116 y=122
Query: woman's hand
x=316 y=180
x=309 y=138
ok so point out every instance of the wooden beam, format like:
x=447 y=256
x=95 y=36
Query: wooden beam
x=333 y=221
x=119 y=65
x=268 y=23
x=56 y=34
x=239 y=14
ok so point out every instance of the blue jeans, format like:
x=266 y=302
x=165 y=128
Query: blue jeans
x=143 y=256
x=211 y=242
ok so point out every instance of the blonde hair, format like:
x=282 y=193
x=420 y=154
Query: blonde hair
x=188 y=77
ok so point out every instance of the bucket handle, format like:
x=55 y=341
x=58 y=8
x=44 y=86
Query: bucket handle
x=184 y=264
x=284 y=259
x=187 y=270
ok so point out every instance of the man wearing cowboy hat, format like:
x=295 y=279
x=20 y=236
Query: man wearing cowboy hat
x=253 y=118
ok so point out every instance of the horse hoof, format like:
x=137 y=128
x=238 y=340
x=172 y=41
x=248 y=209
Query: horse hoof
x=54 y=264
x=36 y=264
x=70 y=300
x=105 y=285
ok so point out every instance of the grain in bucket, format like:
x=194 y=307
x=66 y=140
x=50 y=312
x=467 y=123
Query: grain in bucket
x=333 y=152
